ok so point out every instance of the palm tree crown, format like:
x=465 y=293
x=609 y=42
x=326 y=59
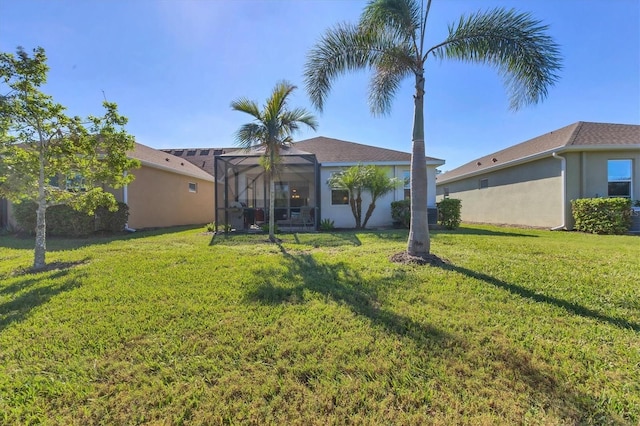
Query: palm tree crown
x=389 y=39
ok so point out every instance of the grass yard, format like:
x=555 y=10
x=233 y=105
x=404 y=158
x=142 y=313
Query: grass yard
x=174 y=327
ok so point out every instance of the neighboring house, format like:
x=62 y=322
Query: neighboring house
x=533 y=183
x=167 y=191
x=301 y=186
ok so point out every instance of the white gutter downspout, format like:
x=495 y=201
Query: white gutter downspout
x=125 y=199
x=563 y=175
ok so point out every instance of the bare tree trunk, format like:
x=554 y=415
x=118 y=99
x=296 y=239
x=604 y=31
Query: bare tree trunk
x=40 y=251
x=419 y=243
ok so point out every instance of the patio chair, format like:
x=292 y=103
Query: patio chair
x=305 y=218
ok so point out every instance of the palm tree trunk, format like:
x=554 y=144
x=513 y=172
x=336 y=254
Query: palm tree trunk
x=272 y=205
x=419 y=243
x=367 y=216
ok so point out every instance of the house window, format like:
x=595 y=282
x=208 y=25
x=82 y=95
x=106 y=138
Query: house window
x=178 y=153
x=446 y=191
x=339 y=197
x=484 y=183
x=204 y=152
x=191 y=153
x=407 y=184
x=193 y=187
x=619 y=178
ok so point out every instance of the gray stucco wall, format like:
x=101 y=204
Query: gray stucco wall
x=529 y=194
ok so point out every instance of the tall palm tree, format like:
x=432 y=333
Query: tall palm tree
x=272 y=128
x=390 y=40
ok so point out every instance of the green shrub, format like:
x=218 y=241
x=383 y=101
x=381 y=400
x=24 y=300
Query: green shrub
x=25 y=215
x=327 y=225
x=211 y=227
x=449 y=213
x=265 y=228
x=602 y=215
x=401 y=212
x=63 y=220
x=109 y=221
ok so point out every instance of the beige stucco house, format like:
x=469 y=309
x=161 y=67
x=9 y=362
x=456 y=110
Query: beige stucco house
x=532 y=183
x=167 y=191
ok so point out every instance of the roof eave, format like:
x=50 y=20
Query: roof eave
x=430 y=162
x=180 y=172
x=534 y=157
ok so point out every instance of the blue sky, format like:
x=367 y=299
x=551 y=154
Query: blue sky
x=174 y=66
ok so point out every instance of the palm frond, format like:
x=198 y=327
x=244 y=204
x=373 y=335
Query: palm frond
x=515 y=43
x=247 y=106
x=403 y=15
x=341 y=49
x=391 y=70
x=249 y=134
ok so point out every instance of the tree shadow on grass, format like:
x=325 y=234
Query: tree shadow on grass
x=330 y=239
x=560 y=303
x=478 y=231
x=55 y=243
x=342 y=284
x=17 y=309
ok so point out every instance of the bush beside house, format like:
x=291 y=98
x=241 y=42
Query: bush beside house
x=449 y=213
x=602 y=215
x=63 y=220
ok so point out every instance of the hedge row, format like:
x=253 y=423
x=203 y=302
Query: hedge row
x=602 y=215
x=64 y=221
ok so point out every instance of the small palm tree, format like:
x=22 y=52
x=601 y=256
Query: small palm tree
x=272 y=128
x=377 y=183
x=353 y=180
x=390 y=40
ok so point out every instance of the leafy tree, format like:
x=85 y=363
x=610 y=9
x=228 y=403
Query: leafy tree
x=359 y=179
x=390 y=40
x=50 y=158
x=272 y=129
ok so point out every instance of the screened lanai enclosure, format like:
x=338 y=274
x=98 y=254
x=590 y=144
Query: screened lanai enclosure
x=242 y=201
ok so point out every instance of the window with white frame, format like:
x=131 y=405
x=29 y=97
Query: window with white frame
x=193 y=187
x=406 y=177
x=484 y=183
x=619 y=178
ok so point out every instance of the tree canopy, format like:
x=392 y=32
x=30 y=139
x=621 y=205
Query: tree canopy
x=49 y=158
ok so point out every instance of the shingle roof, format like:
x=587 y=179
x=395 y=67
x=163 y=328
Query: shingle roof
x=572 y=137
x=328 y=150
x=165 y=161
x=201 y=157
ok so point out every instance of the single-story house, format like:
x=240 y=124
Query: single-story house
x=302 y=194
x=532 y=183
x=167 y=191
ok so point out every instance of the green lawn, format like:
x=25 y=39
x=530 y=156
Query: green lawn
x=177 y=327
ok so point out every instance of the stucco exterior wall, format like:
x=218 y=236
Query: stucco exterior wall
x=157 y=198
x=381 y=217
x=529 y=195
x=589 y=172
